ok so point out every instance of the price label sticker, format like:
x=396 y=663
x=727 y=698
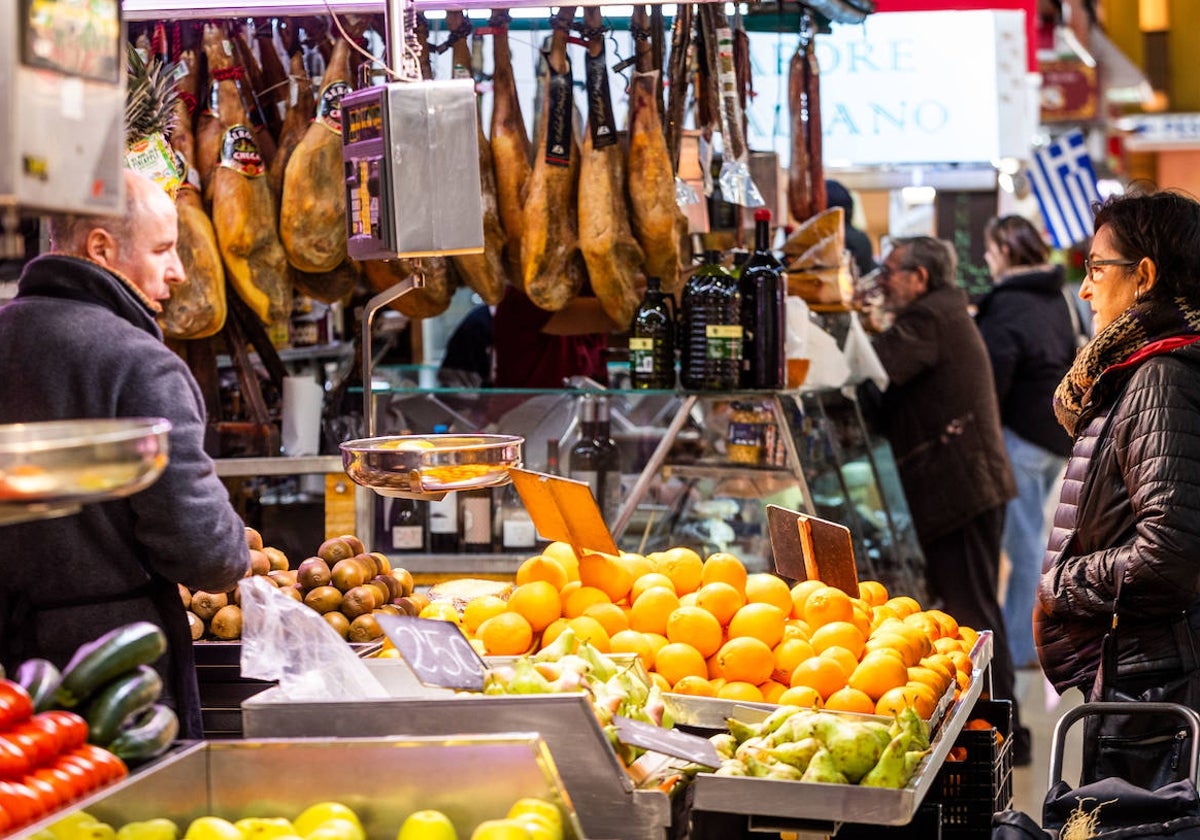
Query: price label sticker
x=670 y=742
x=437 y=651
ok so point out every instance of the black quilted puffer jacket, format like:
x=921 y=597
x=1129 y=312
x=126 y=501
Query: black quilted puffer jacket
x=1132 y=492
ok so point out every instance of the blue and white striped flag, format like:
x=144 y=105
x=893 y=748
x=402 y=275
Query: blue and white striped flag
x=1065 y=186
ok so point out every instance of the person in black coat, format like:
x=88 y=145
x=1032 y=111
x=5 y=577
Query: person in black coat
x=1031 y=341
x=857 y=242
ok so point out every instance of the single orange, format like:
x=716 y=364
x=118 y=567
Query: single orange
x=479 y=610
x=819 y=673
x=788 y=654
x=565 y=556
x=926 y=698
x=541 y=567
x=764 y=622
x=881 y=614
x=850 y=700
x=552 y=632
x=944 y=645
x=894 y=700
x=697 y=627
x=945 y=621
x=827 y=604
x=804 y=696
x=506 y=634
x=687 y=599
x=656 y=642
x=877 y=674
x=676 y=660
x=646 y=581
x=800 y=593
x=906 y=648
x=724 y=567
x=606 y=573
x=610 y=616
x=571 y=586
x=683 y=566
x=795 y=628
x=746 y=659
x=772 y=691
x=714 y=667
x=652 y=609
x=969 y=636
x=631 y=641
x=903 y=604
x=842 y=657
x=588 y=629
x=938 y=681
x=766 y=588
x=441 y=611
x=738 y=690
x=696 y=686
x=925 y=623
x=576 y=602
x=873 y=592
x=636 y=564
x=660 y=681
x=721 y=599
x=840 y=633
x=538 y=601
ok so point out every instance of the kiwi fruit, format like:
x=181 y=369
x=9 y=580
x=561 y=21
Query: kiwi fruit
x=185 y=595
x=365 y=628
x=324 y=599
x=356 y=545
x=407 y=606
x=385 y=565
x=279 y=560
x=260 y=563
x=383 y=595
x=335 y=550
x=369 y=562
x=313 y=572
x=293 y=592
x=389 y=609
x=254 y=539
x=406 y=580
x=359 y=600
x=347 y=574
x=206 y=604
x=195 y=625
x=338 y=622
x=283 y=577
x=227 y=623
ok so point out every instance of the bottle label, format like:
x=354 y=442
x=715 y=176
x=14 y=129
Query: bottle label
x=723 y=341
x=519 y=533
x=477 y=519
x=407 y=537
x=641 y=355
x=443 y=516
x=746 y=434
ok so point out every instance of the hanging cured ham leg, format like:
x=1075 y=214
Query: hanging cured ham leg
x=658 y=223
x=301 y=109
x=511 y=151
x=551 y=264
x=196 y=308
x=312 y=217
x=243 y=211
x=485 y=272
x=613 y=256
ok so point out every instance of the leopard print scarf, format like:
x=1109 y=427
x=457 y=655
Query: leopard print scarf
x=1142 y=324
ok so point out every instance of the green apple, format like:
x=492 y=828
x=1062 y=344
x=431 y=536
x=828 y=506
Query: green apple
x=156 y=829
x=314 y=815
x=500 y=830
x=265 y=828
x=212 y=828
x=427 y=825
x=539 y=827
x=337 y=829
x=541 y=807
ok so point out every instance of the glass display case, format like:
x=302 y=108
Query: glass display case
x=696 y=469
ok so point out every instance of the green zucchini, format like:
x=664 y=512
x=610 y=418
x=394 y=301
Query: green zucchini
x=99 y=662
x=150 y=736
x=40 y=677
x=120 y=701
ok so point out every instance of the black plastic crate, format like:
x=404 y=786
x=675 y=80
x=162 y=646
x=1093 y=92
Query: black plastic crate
x=970 y=791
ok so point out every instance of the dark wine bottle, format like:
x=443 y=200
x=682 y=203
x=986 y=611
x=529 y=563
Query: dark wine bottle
x=475 y=520
x=406 y=526
x=711 y=341
x=595 y=459
x=443 y=518
x=652 y=340
x=763 y=285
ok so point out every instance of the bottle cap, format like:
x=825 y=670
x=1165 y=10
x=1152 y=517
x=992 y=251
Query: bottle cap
x=762 y=214
x=653 y=283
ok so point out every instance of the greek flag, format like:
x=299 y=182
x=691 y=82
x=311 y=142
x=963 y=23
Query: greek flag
x=1065 y=186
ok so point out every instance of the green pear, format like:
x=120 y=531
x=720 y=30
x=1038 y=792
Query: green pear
x=881 y=732
x=796 y=753
x=724 y=743
x=907 y=720
x=603 y=668
x=157 y=829
x=427 y=825
x=796 y=728
x=774 y=720
x=526 y=679
x=755 y=767
x=732 y=767
x=852 y=747
x=264 y=828
x=752 y=746
x=822 y=769
x=314 y=815
x=890 y=771
x=785 y=772
x=562 y=646
x=742 y=731
x=337 y=829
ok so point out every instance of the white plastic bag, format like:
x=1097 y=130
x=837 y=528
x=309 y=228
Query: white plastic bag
x=861 y=357
x=286 y=642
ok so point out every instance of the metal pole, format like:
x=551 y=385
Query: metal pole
x=415 y=281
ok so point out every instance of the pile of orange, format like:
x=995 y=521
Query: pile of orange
x=708 y=627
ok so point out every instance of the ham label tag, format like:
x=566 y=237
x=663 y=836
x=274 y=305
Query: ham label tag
x=601 y=122
x=240 y=153
x=558 y=120
x=329 y=106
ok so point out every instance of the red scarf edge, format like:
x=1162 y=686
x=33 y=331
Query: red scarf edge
x=1156 y=348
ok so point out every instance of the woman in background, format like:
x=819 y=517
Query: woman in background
x=1030 y=337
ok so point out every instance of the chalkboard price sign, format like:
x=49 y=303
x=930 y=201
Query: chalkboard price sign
x=670 y=742
x=437 y=651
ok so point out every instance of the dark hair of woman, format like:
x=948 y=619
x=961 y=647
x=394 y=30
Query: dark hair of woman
x=1164 y=227
x=1018 y=239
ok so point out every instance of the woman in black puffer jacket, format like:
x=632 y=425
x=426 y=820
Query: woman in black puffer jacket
x=1130 y=505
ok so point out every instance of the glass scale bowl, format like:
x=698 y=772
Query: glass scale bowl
x=429 y=466
x=52 y=468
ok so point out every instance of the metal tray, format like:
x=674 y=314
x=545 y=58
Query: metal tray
x=384 y=779
x=423 y=465
x=786 y=805
x=599 y=787
x=49 y=469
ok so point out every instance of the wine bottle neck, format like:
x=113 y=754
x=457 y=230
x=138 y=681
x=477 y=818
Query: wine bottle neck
x=762 y=236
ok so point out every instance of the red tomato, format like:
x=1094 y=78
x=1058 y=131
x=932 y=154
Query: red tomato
x=49 y=726
x=14 y=762
x=6 y=821
x=110 y=767
x=46 y=792
x=82 y=779
x=85 y=767
x=45 y=743
x=66 y=784
x=22 y=804
x=15 y=704
x=72 y=727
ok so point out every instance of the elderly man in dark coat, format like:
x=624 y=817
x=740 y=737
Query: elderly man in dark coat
x=80 y=341
x=941 y=416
